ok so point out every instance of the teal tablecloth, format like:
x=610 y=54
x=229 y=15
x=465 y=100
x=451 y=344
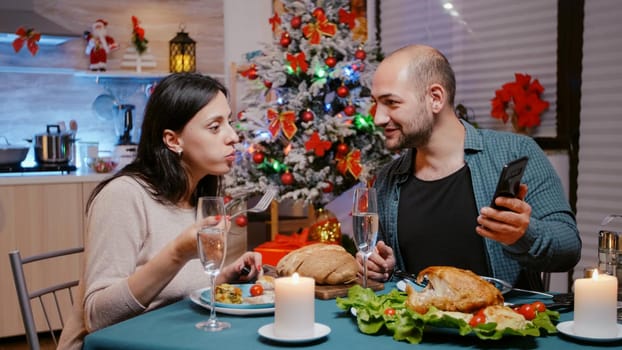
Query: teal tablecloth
x=172 y=327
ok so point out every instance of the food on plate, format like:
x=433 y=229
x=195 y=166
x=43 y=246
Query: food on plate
x=326 y=263
x=228 y=294
x=452 y=289
x=256 y=290
x=388 y=312
x=267 y=282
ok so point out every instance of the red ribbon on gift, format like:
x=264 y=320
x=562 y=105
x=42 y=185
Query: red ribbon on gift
x=285 y=121
x=293 y=241
x=28 y=36
x=314 y=31
x=351 y=163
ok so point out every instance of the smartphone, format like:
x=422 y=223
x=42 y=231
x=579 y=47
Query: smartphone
x=509 y=180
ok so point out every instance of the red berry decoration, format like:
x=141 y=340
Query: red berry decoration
x=285 y=40
x=241 y=220
x=318 y=12
x=330 y=61
x=267 y=84
x=328 y=188
x=296 y=22
x=360 y=54
x=258 y=157
x=227 y=199
x=252 y=74
x=307 y=116
x=342 y=91
x=342 y=148
x=349 y=110
x=287 y=178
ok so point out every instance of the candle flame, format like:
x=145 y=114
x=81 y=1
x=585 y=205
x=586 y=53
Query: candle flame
x=295 y=277
x=595 y=274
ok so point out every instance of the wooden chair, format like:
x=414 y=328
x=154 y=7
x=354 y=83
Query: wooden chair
x=50 y=298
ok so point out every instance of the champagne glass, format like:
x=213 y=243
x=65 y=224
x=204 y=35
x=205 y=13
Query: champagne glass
x=212 y=246
x=365 y=224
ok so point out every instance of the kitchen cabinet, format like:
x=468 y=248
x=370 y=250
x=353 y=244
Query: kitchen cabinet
x=36 y=218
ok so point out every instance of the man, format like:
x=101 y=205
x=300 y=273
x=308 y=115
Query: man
x=434 y=200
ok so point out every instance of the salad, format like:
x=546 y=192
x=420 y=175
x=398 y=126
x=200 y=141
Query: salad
x=388 y=313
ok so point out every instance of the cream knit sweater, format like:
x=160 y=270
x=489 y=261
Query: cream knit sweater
x=125 y=228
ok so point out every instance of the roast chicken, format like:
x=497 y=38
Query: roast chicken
x=452 y=289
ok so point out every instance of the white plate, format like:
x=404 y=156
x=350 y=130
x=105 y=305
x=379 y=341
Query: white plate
x=503 y=286
x=567 y=328
x=319 y=331
x=195 y=297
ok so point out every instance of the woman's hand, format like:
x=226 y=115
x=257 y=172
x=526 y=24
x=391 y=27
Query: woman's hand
x=233 y=272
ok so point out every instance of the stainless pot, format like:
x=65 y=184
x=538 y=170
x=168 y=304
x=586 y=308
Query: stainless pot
x=12 y=154
x=53 y=146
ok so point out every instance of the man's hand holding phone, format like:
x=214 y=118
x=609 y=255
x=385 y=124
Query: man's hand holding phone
x=507 y=218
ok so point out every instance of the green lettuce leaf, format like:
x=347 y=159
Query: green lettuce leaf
x=407 y=325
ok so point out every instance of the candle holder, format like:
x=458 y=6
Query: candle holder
x=182 y=53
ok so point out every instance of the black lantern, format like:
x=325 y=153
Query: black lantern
x=182 y=53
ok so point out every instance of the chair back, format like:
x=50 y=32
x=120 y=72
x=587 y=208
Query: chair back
x=49 y=297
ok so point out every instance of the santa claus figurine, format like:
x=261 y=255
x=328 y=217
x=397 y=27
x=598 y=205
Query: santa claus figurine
x=99 y=45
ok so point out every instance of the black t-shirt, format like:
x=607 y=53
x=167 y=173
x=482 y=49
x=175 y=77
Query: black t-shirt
x=436 y=224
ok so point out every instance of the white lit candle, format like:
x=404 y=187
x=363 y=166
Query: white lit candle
x=294 y=309
x=595 y=302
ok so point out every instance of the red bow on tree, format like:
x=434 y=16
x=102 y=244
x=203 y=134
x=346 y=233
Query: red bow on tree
x=285 y=121
x=275 y=21
x=351 y=162
x=27 y=36
x=298 y=60
x=347 y=18
x=314 y=31
x=318 y=145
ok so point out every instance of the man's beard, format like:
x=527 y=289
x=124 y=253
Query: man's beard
x=420 y=134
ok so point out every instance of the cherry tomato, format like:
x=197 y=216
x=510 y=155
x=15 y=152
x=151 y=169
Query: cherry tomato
x=528 y=311
x=539 y=306
x=478 y=318
x=256 y=290
x=389 y=311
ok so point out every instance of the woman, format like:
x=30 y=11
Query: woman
x=141 y=246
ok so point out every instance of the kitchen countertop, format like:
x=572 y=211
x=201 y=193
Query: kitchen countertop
x=51 y=177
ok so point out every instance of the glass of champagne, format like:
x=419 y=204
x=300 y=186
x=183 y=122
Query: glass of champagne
x=212 y=246
x=365 y=223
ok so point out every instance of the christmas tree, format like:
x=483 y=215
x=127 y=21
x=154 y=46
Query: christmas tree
x=308 y=123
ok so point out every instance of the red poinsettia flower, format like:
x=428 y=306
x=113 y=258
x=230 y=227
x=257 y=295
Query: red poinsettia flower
x=519 y=101
x=138 y=36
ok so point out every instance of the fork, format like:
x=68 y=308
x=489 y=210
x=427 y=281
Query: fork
x=262 y=205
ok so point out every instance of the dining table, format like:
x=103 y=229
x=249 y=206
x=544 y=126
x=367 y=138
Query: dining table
x=173 y=327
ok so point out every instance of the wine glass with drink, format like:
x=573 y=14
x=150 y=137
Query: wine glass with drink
x=365 y=223
x=212 y=247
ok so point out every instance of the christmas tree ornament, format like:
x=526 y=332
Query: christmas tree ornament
x=349 y=110
x=328 y=188
x=330 y=61
x=241 y=115
x=342 y=91
x=275 y=21
x=287 y=178
x=314 y=31
x=351 y=163
x=319 y=12
x=307 y=116
x=342 y=148
x=347 y=18
x=241 y=220
x=28 y=36
x=326 y=228
x=298 y=62
x=296 y=22
x=285 y=121
x=267 y=84
x=360 y=54
x=258 y=157
x=317 y=145
x=285 y=39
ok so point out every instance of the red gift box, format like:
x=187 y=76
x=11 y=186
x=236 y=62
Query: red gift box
x=272 y=251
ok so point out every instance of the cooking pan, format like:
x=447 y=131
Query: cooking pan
x=12 y=154
x=53 y=146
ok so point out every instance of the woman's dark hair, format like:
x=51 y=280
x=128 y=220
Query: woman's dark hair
x=175 y=100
